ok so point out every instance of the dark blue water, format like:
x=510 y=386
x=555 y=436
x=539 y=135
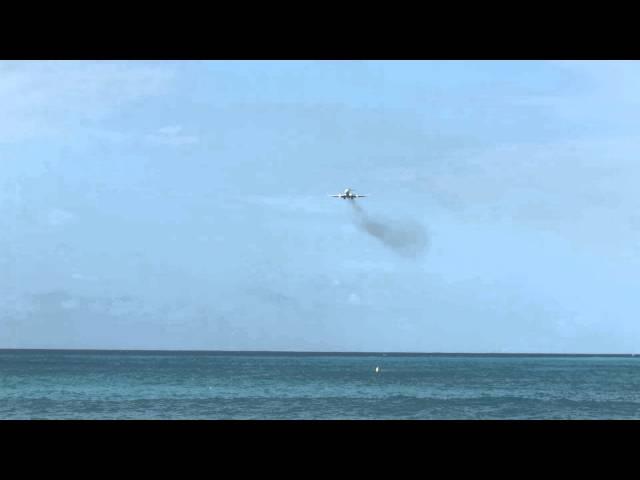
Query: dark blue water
x=208 y=385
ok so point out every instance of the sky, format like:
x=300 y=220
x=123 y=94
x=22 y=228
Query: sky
x=185 y=205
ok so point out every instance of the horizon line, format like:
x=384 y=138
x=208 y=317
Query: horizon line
x=314 y=352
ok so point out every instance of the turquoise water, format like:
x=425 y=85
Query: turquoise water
x=40 y=384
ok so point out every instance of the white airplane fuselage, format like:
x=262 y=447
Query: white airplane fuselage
x=348 y=195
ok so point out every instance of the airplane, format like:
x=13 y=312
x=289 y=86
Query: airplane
x=347 y=194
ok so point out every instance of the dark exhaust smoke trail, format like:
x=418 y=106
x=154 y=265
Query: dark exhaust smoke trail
x=405 y=238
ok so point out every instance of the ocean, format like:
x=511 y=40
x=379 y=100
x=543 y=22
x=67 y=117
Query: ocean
x=59 y=384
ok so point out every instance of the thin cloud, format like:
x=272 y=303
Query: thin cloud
x=58 y=217
x=42 y=98
x=172 y=136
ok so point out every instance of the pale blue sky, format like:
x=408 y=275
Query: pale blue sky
x=183 y=205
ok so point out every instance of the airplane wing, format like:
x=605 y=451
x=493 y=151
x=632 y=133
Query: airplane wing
x=359 y=196
x=334 y=195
